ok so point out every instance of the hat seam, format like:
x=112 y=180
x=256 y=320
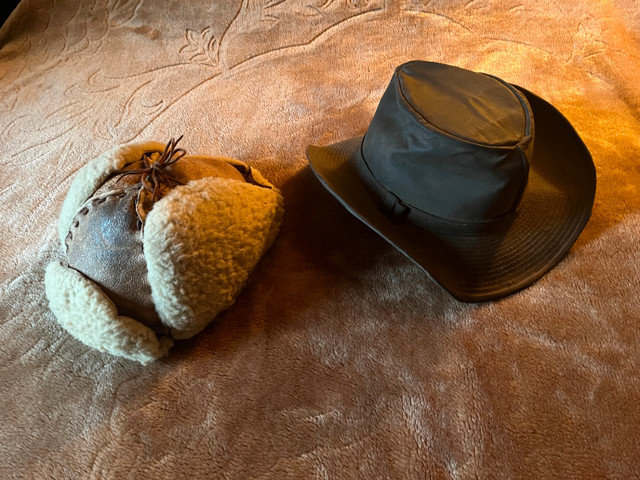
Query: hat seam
x=427 y=124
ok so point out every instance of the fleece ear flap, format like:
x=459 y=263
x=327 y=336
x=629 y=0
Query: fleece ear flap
x=90 y=316
x=201 y=242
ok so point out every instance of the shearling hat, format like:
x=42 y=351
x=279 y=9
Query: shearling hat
x=157 y=244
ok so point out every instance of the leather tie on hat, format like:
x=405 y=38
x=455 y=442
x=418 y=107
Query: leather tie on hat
x=154 y=174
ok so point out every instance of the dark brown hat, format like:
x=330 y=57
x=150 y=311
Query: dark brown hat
x=455 y=174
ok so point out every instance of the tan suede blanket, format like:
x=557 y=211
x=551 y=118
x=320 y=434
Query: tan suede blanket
x=341 y=359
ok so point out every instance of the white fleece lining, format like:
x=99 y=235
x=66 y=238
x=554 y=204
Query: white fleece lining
x=84 y=311
x=195 y=273
x=95 y=173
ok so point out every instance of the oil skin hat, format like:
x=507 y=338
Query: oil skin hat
x=481 y=183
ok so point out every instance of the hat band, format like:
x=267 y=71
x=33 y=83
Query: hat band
x=399 y=212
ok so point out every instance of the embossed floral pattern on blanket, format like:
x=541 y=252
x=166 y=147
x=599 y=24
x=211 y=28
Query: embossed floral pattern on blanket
x=261 y=27
x=134 y=84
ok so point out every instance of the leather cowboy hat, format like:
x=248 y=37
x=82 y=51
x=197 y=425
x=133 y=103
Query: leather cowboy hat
x=483 y=184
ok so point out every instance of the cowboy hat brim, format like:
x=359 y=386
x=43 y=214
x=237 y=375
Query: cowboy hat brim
x=476 y=267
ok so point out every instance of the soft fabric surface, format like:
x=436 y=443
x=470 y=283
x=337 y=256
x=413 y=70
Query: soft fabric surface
x=340 y=359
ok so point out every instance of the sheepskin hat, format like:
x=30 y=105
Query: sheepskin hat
x=157 y=244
